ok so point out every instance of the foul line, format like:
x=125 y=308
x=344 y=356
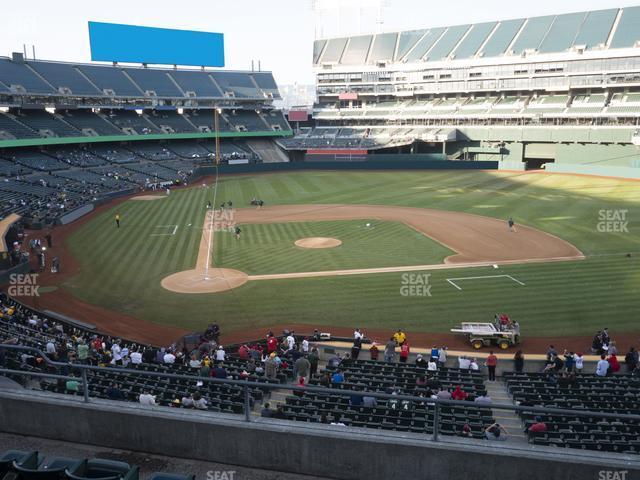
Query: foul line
x=409 y=268
x=451 y=280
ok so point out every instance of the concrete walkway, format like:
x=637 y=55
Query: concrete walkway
x=508 y=419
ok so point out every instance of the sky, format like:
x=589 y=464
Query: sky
x=279 y=33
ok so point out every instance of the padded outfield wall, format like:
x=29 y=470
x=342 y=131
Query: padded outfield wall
x=606 y=151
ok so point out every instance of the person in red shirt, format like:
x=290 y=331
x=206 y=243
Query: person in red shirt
x=492 y=363
x=373 y=351
x=272 y=344
x=459 y=394
x=614 y=365
x=404 y=352
x=243 y=352
x=538 y=427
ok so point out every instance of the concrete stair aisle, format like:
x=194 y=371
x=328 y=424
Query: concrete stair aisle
x=507 y=418
x=279 y=395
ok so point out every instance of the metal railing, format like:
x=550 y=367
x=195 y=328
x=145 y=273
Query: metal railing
x=246 y=385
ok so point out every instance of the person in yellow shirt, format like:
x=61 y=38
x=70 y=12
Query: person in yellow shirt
x=399 y=337
x=117 y=220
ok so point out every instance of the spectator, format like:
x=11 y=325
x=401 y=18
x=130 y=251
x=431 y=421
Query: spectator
x=443 y=394
x=266 y=411
x=631 y=359
x=369 y=402
x=194 y=401
x=334 y=361
x=551 y=353
x=596 y=344
x=538 y=427
x=496 y=432
x=272 y=343
x=569 y=361
x=301 y=368
x=464 y=362
x=442 y=356
x=435 y=353
x=390 y=350
x=72 y=386
x=194 y=362
x=613 y=348
x=492 y=363
x=301 y=383
x=404 y=352
x=279 y=413
x=420 y=361
x=483 y=399
x=314 y=359
x=325 y=379
x=518 y=362
x=373 y=351
x=358 y=334
x=220 y=354
x=136 y=357
x=602 y=368
x=474 y=365
x=579 y=362
x=432 y=366
x=614 y=365
x=337 y=378
x=205 y=370
x=466 y=431
x=243 y=352
x=357 y=345
x=82 y=351
x=116 y=354
x=146 y=398
x=168 y=358
x=459 y=394
x=220 y=371
x=290 y=341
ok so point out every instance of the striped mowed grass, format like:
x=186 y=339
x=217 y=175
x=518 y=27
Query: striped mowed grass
x=122 y=268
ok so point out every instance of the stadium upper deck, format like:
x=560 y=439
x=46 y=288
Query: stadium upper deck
x=508 y=90
x=49 y=81
x=587 y=50
x=45 y=103
x=573 y=32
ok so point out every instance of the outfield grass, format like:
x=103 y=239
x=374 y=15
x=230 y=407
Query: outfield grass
x=122 y=269
x=269 y=248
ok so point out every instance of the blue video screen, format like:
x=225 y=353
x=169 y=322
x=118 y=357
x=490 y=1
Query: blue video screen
x=112 y=42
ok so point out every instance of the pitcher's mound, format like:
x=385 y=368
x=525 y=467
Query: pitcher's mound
x=318 y=242
x=195 y=281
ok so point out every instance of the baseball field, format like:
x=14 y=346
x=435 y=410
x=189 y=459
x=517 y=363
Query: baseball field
x=416 y=250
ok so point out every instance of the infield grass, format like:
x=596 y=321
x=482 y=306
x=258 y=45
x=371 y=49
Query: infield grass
x=270 y=248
